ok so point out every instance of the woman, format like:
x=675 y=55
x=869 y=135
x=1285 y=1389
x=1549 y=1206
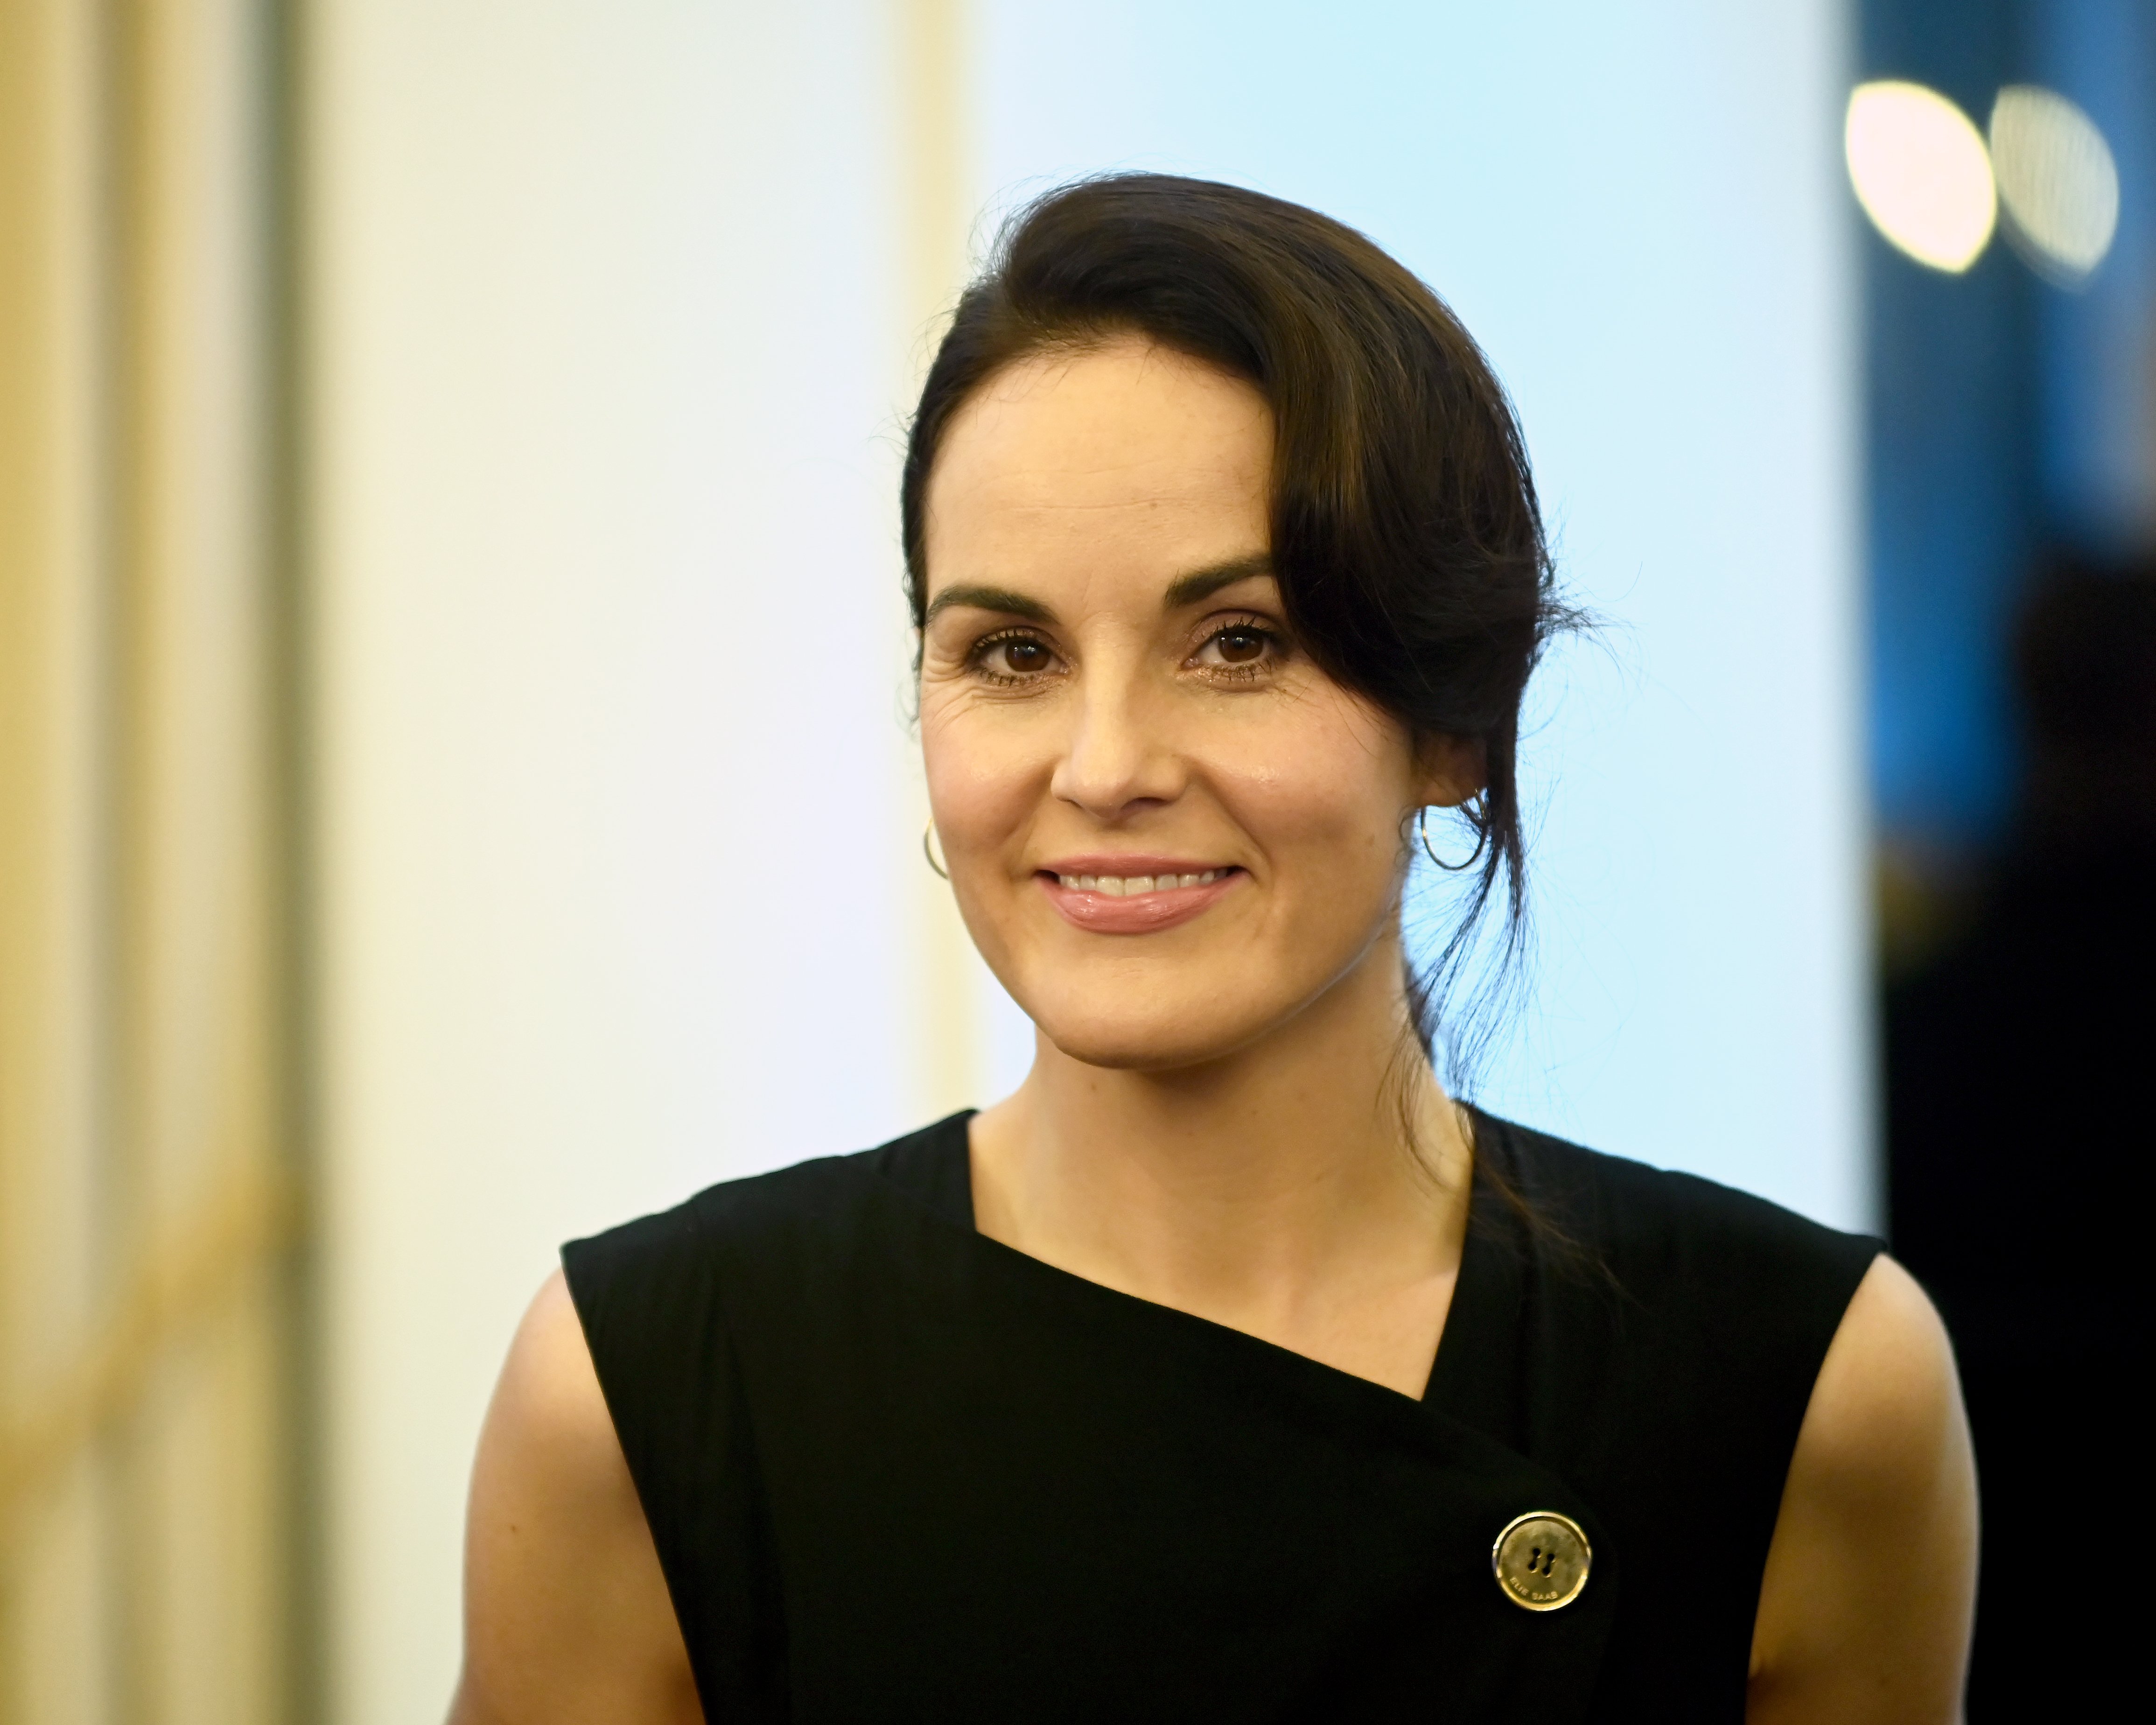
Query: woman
x=1228 y=1369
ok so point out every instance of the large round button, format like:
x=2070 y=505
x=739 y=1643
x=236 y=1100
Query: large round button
x=1541 y=1560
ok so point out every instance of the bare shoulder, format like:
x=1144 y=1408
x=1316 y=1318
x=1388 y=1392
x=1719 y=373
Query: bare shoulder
x=1888 y=1395
x=567 y=1615
x=548 y=1410
x=1864 y=1612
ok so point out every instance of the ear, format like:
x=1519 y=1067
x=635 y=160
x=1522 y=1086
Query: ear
x=1448 y=770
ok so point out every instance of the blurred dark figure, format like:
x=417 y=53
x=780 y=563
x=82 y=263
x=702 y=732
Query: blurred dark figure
x=2020 y=1134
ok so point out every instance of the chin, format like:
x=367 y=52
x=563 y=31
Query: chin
x=1158 y=1037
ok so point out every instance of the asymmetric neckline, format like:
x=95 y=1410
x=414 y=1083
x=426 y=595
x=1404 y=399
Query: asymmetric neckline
x=1468 y=1380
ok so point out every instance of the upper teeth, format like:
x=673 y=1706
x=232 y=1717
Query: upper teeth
x=1123 y=886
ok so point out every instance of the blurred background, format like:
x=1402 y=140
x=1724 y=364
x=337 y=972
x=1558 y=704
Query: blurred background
x=455 y=790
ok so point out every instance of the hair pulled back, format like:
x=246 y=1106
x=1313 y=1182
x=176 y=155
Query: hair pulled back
x=1406 y=535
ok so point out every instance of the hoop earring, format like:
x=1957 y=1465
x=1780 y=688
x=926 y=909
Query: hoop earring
x=1477 y=818
x=928 y=850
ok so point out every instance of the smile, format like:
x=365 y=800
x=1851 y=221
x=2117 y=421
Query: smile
x=1134 y=894
x=1131 y=885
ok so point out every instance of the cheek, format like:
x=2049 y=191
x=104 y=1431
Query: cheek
x=985 y=779
x=1331 y=792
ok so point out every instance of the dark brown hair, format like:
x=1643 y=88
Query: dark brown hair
x=1406 y=535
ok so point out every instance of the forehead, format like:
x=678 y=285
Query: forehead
x=1127 y=447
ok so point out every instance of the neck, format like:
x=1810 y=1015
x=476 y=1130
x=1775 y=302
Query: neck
x=1322 y=1162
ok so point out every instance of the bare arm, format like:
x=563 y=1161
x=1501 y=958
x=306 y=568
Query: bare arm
x=566 y=1617
x=1865 y=1611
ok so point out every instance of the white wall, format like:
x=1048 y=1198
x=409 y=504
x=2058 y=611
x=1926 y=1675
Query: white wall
x=608 y=336
x=608 y=640
x=1639 y=211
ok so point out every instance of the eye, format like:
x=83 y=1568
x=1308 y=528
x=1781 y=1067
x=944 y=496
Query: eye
x=1240 y=647
x=1012 y=658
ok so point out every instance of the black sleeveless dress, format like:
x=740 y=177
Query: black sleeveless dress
x=896 y=1470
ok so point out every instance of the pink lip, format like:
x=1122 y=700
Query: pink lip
x=1141 y=913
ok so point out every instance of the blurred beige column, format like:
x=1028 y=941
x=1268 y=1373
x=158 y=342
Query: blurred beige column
x=936 y=202
x=145 y=1205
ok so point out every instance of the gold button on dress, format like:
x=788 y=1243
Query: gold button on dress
x=1541 y=1560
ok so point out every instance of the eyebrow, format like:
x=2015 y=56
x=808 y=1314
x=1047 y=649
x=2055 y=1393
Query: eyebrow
x=989 y=598
x=1202 y=583
x=1184 y=590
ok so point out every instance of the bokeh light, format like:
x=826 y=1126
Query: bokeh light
x=2057 y=180
x=1922 y=173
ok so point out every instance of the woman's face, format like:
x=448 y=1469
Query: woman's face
x=1168 y=831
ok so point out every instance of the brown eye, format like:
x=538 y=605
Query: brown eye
x=1247 y=648
x=1016 y=655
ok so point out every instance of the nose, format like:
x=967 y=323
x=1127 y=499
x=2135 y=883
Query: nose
x=1119 y=758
